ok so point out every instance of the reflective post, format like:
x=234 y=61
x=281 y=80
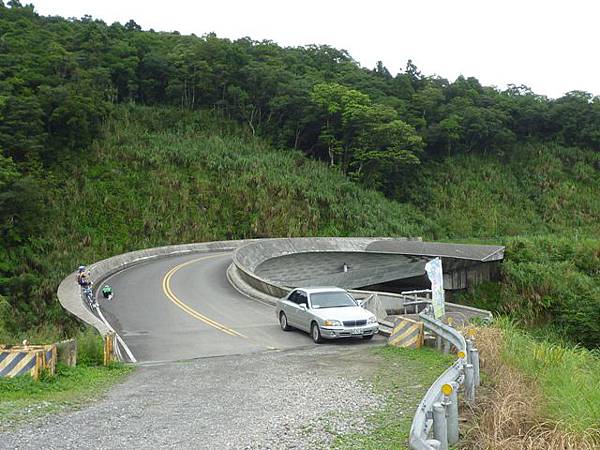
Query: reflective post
x=469 y=348
x=446 y=347
x=475 y=362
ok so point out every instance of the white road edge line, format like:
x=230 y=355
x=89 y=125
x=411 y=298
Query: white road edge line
x=119 y=338
x=121 y=341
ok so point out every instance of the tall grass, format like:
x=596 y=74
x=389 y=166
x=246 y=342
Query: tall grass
x=535 y=189
x=568 y=377
x=539 y=394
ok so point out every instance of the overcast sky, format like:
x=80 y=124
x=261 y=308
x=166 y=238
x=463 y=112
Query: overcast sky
x=550 y=46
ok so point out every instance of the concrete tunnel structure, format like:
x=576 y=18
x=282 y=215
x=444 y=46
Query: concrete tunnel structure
x=274 y=266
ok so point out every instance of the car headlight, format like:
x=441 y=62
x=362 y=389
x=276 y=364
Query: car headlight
x=332 y=323
x=372 y=319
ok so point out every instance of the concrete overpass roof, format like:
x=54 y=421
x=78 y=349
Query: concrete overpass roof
x=481 y=253
x=318 y=269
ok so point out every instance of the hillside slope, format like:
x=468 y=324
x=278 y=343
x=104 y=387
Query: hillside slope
x=535 y=189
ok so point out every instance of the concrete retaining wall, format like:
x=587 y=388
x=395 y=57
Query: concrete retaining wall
x=248 y=257
x=66 y=352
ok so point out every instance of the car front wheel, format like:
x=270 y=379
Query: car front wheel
x=283 y=322
x=315 y=332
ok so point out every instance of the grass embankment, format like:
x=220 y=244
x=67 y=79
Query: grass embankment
x=539 y=394
x=23 y=399
x=390 y=426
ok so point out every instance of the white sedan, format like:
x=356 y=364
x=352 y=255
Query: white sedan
x=325 y=313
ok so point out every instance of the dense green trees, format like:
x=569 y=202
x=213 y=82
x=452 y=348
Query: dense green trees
x=59 y=78
x=367 y=140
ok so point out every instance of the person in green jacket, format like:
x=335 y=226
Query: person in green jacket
x=107 y=292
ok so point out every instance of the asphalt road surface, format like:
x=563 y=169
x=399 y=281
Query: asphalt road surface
x=184 y=307
x=247 y=384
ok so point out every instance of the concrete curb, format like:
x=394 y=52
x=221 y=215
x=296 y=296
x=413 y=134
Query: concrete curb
x=238 y=283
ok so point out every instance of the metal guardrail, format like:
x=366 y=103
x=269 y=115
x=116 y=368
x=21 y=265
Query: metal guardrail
x=437 y=413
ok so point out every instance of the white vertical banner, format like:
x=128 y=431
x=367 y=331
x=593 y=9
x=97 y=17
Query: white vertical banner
x=436 y=276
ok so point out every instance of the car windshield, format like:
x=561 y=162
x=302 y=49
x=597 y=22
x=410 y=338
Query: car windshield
x=331 y=300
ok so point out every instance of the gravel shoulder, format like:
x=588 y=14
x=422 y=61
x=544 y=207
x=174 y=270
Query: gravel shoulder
x=306 y=398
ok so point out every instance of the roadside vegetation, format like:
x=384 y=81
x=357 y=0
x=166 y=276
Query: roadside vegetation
x=537 y=393
x=23 y=399
x=390 y=427
x=550 y=285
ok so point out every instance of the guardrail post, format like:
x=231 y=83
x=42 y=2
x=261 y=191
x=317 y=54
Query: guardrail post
x=469 y=343
x=438 y=343
x=109 y=348
x=452 y=417
x=475 y=362
x=433 y=443
x=446 y=347
x=469 y=383
x=440 y=426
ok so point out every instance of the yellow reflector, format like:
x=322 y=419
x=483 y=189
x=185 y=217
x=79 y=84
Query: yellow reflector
x=461 y=354
x=447 y=389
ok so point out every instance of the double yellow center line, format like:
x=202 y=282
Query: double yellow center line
x=166 y=285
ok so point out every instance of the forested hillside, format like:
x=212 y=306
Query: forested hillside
x=113 y=139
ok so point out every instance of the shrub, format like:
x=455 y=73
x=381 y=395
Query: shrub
x=90 y=348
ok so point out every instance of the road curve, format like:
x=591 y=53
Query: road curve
x=183 y=307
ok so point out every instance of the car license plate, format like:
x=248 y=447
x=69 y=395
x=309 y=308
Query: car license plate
x=357 y=331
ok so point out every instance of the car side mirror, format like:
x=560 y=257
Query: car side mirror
x=302 y=306
x=360 y=303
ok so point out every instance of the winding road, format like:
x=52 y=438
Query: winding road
x=183 y=307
